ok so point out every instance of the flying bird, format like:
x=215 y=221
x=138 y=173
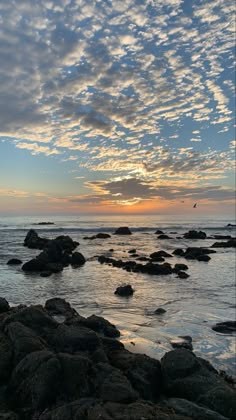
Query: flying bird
x=195 y=205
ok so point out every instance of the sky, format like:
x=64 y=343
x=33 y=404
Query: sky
x=122 y=106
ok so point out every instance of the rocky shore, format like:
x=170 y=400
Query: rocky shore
x=58 y=365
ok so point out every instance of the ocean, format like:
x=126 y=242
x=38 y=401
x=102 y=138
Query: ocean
x=192 y=305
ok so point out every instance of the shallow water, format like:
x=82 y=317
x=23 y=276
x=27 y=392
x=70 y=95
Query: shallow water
x=192 y=305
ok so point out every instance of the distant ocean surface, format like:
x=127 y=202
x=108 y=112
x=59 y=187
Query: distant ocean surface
x=192 y=305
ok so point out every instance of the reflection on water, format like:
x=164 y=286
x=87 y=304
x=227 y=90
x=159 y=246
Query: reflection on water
x=192 y=306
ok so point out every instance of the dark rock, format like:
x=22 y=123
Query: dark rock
x=14 y=261
x=45 y=273
x=182 y=342
x=76 y=370
x=112 y=385
x=53 y=267
x=59 y=306
x=95 y=323
x=143 y=258
x=231 y=243
x=178 y=252
x=163 y=236
x=193 y=410
x=192 y=253
x=162 y=254
x=227 y=327
x=160 y=311
x=24 y=340
x=194 y=234
x=77 y=259
x=66 y=243
x=126 y=290
x=182 y=275
x=71 y=339
x=8 y=415
x=34 y=265
x=5 y=358
x=192 y=378
x=32 y=240
x=103 y=235
x=143 y=372
x=35 y=382
x=4 y=305
x=222 y=237
x=124 y=230
x=203 y=258
x=44 y=223
x=181 y=267
x=159 y=232
x=132 y=251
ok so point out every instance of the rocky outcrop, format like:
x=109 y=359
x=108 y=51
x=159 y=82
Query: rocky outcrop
x=77 y=370
x=231 y=243
x=194 y=234
x=124 y=230
x=194 y=253
x=126 y=290
x=148 y=268
x=32 y=240
x=226 y=327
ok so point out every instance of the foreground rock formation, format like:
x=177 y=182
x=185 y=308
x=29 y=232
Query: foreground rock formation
x=77 y=370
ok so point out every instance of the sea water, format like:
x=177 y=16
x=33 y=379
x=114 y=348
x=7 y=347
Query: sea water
x=192 y=305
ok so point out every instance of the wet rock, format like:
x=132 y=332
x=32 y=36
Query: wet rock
x=44 y=223
x=59 y=306
x=53 y=267
x=180 y=252
x=160 y=254
x=192 y=378
x=71 y=339
x=76 y=370
x=182 y=275
x=194 y=234
x=33 y=241
x=77 y=259
x=99 y=235
x=226 y=327
x=159 y=232
x=95 y=323
x=34 y=265
x=180 y=267
x=8 y=415
x=160 y=311
x=222 y=237
x=4 y=305
x=126 y=290
x=203 y=257
x=193 y=410
x=66 y=243
x=231 y=243
x=132 y=251
x=193 y=253
x=14 y=261
x=182 y=342
x=142 y=258
x=163 y=236
x=45 y=274
x=124 y=230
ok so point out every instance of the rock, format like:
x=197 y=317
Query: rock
x=24 y=340
x=126 y=290
x=77 y=259
x=66 y=243
x=226 y=327
x=163 y=236
x=5 y=358
x=59 y=306
x=45 y=274
x=76 y=370
x=192 y=253
x=124 y=230
x=143 y=372
x=32 y=240
x=178 y=252
x=203 y=257
x=160 y=254
x=8 y=415
x=14 y=261
x=132 y=251
x=96 y=323
x=231 y=243
x=53 y=267
x=182 y=342
x=192 y=378
x=36 y=381
x=193 y=410
x=159 y=311
x=112 y=385
x=34 y=265
x=156 y=257
x=194 y=234
x=159 y=232
x=71 y=339
x=4 y=305
x=182 y=275
x=222 y=237
x=44 y=223
x=180 y=267
x=142 y=258
x=103 y=235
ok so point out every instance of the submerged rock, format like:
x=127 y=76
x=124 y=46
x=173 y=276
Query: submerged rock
x=160 y=311
x=183 y=341
x=163 y=236
x=126 y=290
x=160 y=254
x=226 y=327
x=231 y=243
x=124 y=230
x=14 y=261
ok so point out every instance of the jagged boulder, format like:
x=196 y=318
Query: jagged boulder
x=32 y=240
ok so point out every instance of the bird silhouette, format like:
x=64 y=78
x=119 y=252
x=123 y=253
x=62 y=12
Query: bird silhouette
x=195 y=205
